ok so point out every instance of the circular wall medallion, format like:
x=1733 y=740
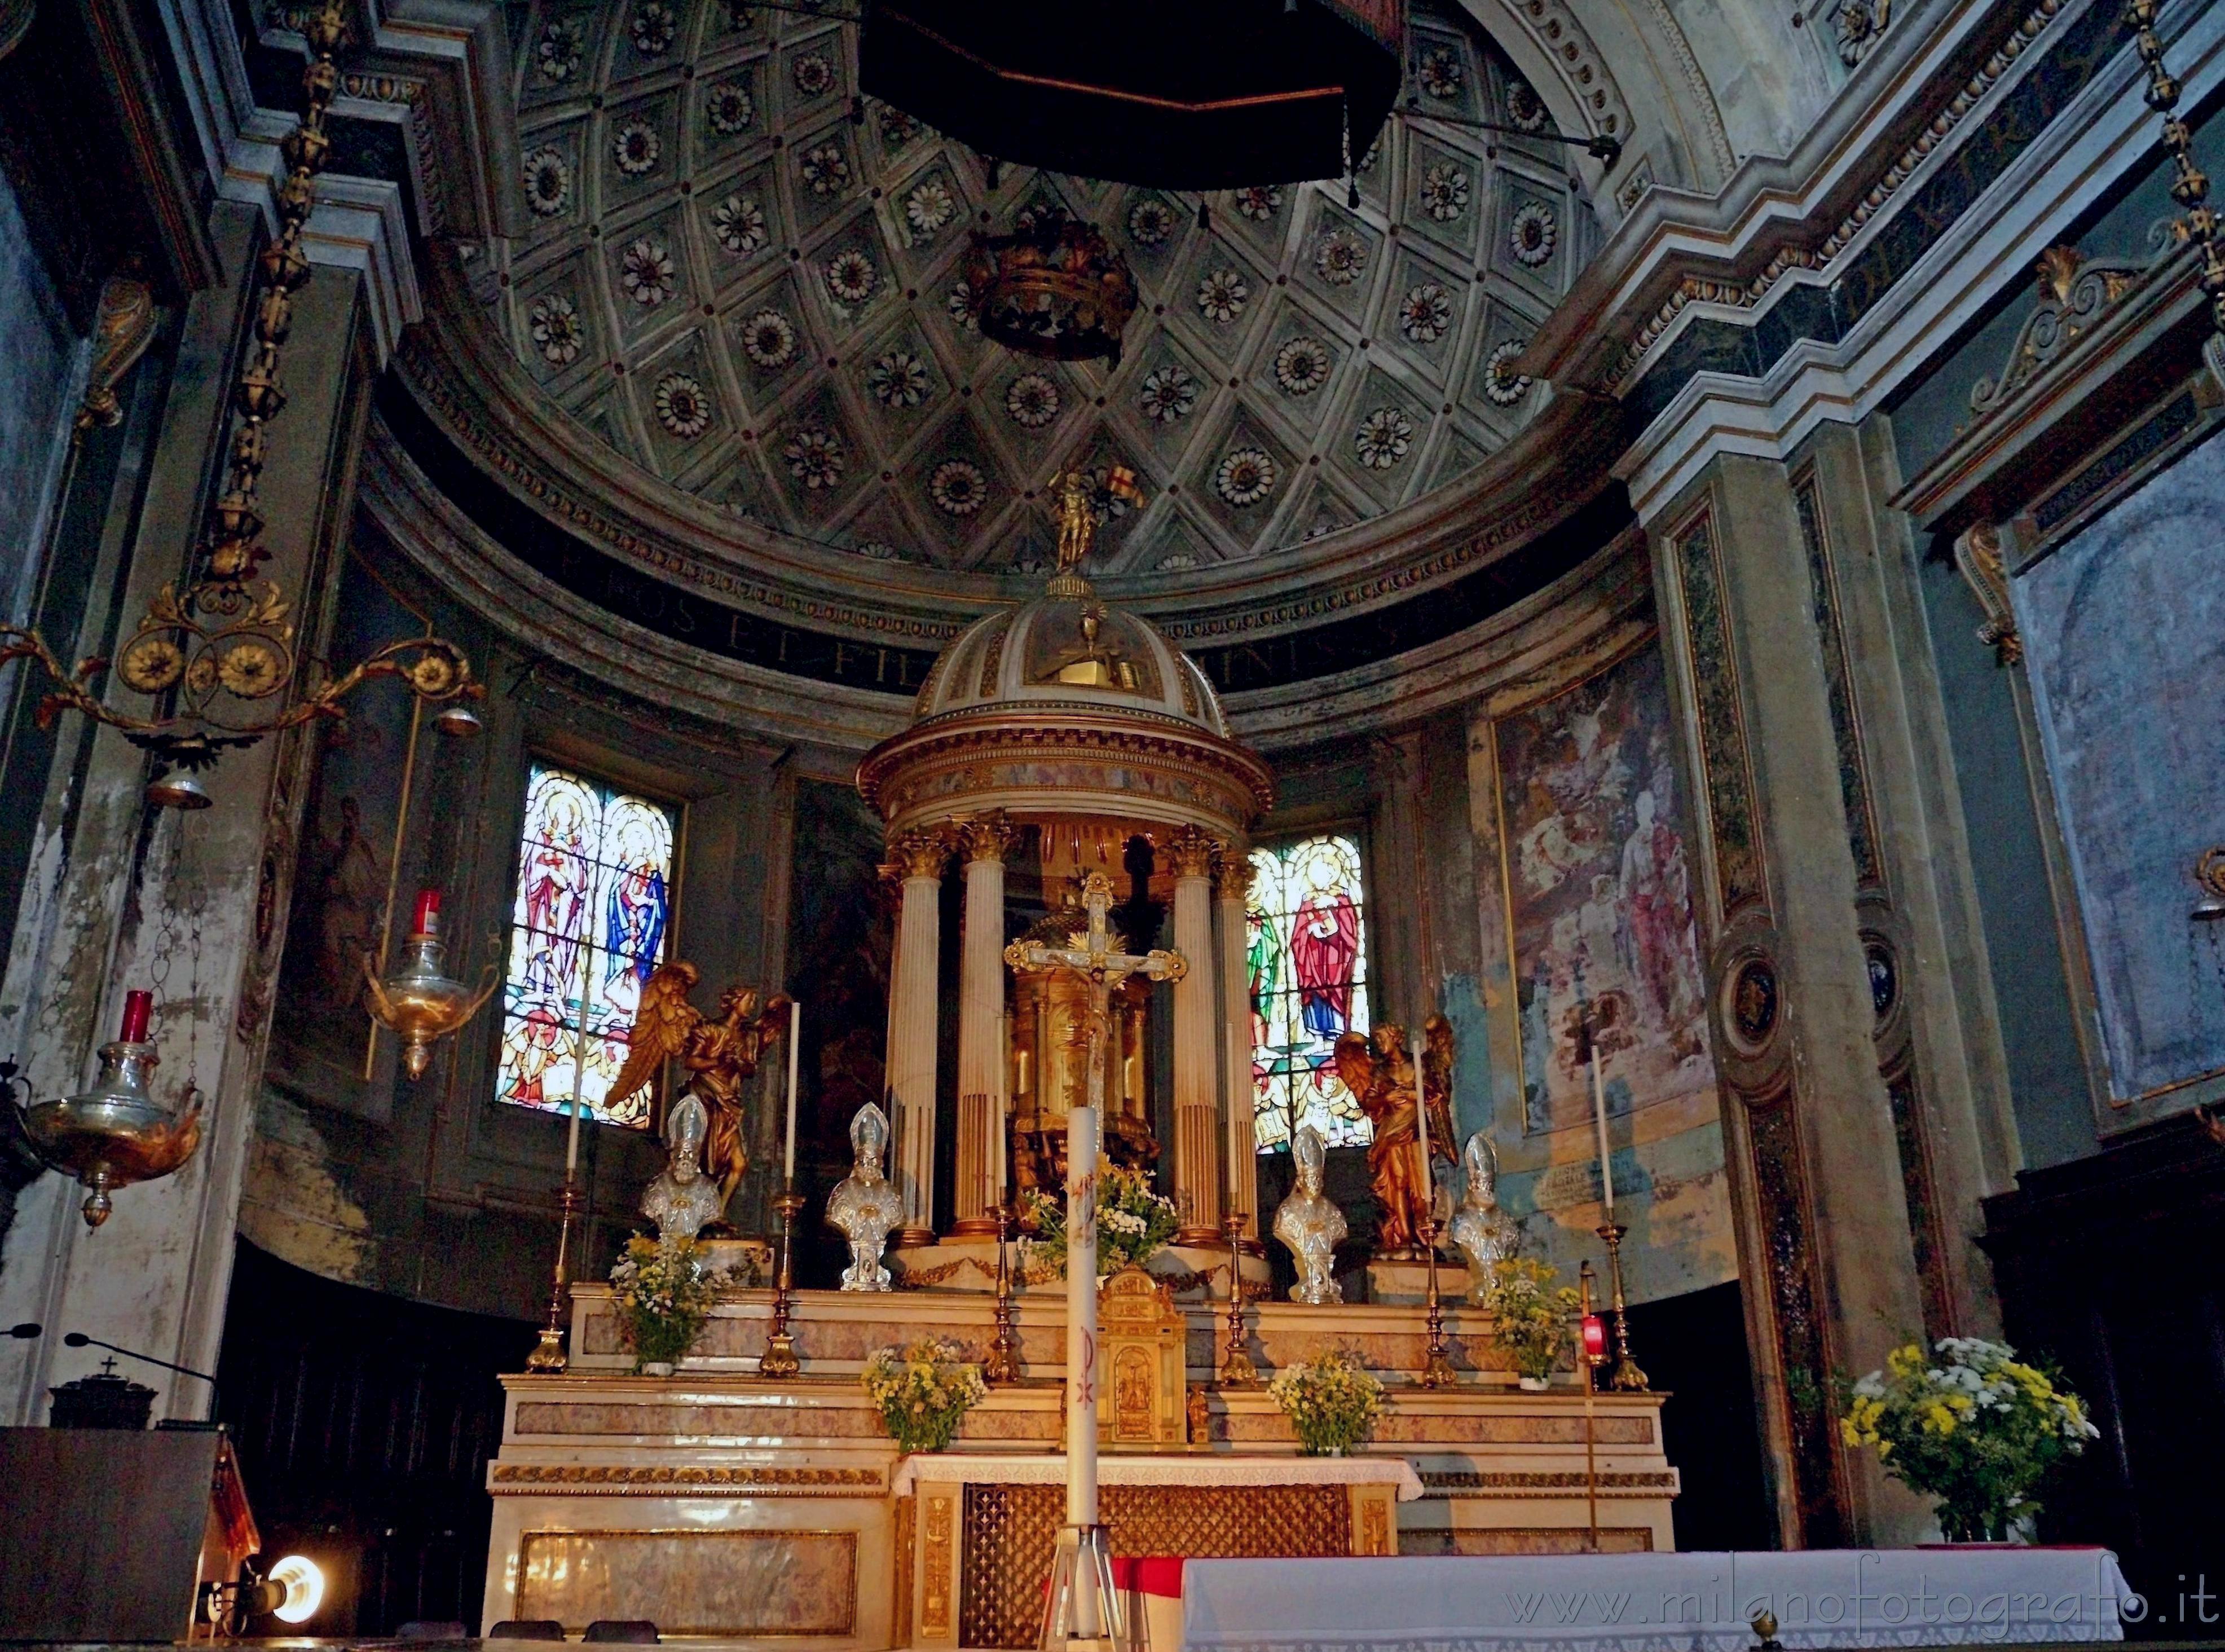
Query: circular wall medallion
x=1752 y=1003
x=1884 y=976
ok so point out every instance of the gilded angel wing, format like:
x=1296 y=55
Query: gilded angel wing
x=661 y=1026
x=1355 y=1065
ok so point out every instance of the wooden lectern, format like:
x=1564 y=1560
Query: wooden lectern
x=111 y=1532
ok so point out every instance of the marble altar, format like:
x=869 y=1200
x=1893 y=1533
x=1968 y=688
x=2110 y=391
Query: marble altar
x=738 y=1508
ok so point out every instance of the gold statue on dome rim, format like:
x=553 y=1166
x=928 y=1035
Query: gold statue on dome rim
x=720 y=1056
x=1079 y=513
x=1380 y=1072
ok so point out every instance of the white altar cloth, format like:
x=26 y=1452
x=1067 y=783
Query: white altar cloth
x=1653 y=1603
x=1202 y=1468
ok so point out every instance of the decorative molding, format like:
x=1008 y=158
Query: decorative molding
x=1703 y=95
x=1562 y=38
x=1457 y=1482
x=122 y=331
x=665 y=1480
x=1978 y=559
x=2074 y=294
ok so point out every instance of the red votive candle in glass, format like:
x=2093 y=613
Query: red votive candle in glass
x=138 y=1007
x=1594 y=1336
x=428 y=913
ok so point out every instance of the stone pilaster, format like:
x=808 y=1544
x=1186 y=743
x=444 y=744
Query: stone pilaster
x=916 y=858
x=982 y=1062
x=1231 y=890
x=1197 y=1086
x=1821 y=1201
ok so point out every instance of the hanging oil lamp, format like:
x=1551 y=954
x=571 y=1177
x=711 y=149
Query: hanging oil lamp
x=116 y=1133
x=420 y=1002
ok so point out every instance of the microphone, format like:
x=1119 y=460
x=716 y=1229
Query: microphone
x=79 y=1339
x=26 y=1331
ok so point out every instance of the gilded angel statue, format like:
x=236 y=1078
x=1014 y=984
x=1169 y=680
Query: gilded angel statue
x=1380 y=1072
x=720 y=1056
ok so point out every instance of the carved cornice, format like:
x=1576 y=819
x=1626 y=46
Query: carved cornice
x=668 y=1480
x=1518 y=1483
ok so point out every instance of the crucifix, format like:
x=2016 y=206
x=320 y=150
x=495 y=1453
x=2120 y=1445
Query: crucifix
x=1084 y=1609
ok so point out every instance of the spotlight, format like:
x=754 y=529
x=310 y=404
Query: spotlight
x=291 y=1592
x=458 y=721
x=26 y=1331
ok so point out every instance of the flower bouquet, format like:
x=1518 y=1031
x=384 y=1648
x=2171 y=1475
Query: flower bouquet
x=663 y=1297
x=1332 y=1401
x=923 y=1389
x=1972 y=1426
x=1529 y=1318
x=1133 y=1223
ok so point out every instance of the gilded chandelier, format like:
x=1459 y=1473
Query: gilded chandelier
x=221 y=656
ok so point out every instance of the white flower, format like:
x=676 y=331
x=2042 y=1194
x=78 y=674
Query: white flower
x=929 y=207
x=1244 y=476
x=682 y=407
x=1501 y=382
x=1342 y=258
x=1425 y=314
x=898 y=379
x=738 y=225
x=1032 y=401
x=960 y=304
x=898 y=128
x=1444 y=192
x=850 y=278
x=1533 y=232
x=1150 y=221
x=634 y=147
x=654 y=26
x=812 y=74
x=556 y=330
x=815 y=458
x=1168 y=394
x=548 y=182
x=730 y=108
x=826 y=169
x=557 y=54
x=1523 y=106
x=958 y=486
x=1385 y=436
x=1259 y=202
x=768 y=338
x=645 y=272
x=1302 y=366
x=1222 y=294
x=1440 y=73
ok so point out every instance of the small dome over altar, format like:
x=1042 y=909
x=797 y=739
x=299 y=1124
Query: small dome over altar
x=1068 y=648
x=1066 y=705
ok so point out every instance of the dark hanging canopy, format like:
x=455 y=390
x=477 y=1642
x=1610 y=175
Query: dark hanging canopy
x=1176 y=94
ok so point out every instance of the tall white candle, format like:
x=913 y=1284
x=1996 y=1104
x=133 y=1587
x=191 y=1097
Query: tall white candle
x=1598 y=1118
x=788 y=1156
x=572 y=1137
x=1422 y=1129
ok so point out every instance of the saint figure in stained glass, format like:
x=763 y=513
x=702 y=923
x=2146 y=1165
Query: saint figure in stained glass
x=594 y=898
x=1306 y=955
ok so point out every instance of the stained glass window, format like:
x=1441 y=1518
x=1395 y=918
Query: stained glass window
x=1306 y=949
x=594 y=901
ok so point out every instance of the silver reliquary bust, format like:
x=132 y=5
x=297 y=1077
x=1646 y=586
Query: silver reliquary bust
x=864 y=1205
x=683 y=1199
x=1310 y=1224
x=1480 y=1228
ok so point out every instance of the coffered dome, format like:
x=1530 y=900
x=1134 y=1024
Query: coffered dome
x=746 y=281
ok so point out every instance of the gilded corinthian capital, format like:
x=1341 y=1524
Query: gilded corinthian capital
x=1190 y=852
x=988 y=837
x=1232 y=875
x=919 y=854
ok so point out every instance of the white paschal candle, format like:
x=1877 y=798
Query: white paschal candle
x=1598 y=1118
x=1422 y=1132
x=787 y=1155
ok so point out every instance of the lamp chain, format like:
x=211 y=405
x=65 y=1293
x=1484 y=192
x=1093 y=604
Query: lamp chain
x=2190 y=186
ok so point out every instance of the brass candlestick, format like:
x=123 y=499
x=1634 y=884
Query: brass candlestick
x=1588 y=1363
x=1237 y=1369
x=779 y=1357
x=1438 y=1370
x=1003 y=1365
x=1626 y=1378
x=548 y=1356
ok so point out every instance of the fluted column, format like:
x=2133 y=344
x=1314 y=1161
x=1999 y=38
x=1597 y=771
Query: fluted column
x=917 y=858
x=981 y=1063
x=1231 y=892
x=1197 y=1085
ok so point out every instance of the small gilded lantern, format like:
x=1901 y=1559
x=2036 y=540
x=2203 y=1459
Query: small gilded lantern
x=117 y=1132
x=1055 y=287
x=420 y=1003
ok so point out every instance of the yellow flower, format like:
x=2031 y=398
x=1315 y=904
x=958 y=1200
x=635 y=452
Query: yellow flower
x=1904 y=1361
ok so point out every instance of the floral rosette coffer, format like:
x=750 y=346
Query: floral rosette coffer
x=923 y=1389
x=1133 y=1223
x=1970 y=1425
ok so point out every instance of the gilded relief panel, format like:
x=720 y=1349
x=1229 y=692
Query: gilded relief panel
x=723 y=1584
